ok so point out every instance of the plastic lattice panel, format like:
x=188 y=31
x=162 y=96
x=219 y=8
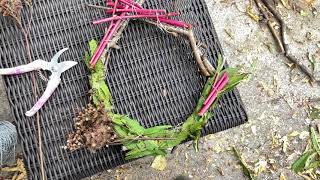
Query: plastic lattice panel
x=153 y=78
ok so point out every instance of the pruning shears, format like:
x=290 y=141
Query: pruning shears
x=53 y=66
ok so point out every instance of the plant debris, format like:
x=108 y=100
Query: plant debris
x=16 y=172
x=269 y=13
x=13 y=8
x=253 y=15
x=159 y=163
x=94 y=129
x=245 y=167
x=314 y=113
x=307 y=164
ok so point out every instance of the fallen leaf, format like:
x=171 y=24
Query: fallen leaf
x=159 y=163
x=260 y=166
x=266 y=88
x=285 y=143
x=285 y=3
x=312 y=61
x=229 y=33
x=283 y=177
x=311 y=3
x=252 y=14
x=304 y=13
x=294 y=134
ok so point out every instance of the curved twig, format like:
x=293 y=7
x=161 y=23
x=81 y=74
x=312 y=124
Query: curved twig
x=282 y=43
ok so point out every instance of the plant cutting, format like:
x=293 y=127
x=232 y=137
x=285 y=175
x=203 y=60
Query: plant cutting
x=103 y=127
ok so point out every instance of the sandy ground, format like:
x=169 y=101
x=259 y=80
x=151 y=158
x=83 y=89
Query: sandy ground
x=276 y=98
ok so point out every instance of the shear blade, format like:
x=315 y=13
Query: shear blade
x=55 y=58
x=67 y=65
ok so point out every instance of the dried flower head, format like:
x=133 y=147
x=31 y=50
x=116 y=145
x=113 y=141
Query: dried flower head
x=13 y=8
x=93 y=129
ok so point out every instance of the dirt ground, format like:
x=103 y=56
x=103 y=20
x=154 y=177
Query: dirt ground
x=276 y=99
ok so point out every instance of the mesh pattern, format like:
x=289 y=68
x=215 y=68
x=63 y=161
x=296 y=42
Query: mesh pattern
x=153 y=78
x=8 y=141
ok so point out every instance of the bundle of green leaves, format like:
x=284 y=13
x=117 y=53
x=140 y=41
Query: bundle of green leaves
x=140 y=141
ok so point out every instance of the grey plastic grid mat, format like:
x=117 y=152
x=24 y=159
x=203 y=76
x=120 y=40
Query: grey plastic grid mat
x=153 y=78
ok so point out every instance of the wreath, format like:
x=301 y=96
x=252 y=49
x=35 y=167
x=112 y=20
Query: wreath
x=98 y=126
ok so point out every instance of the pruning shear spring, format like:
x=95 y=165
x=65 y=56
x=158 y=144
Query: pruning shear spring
x=53 y=66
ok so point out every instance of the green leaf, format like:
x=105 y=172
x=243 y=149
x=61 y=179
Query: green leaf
x=87 y=58
x=235 y=77
x=133 y=126
x=138 y=154
x=121 y=132
x=220 y=63
x=300 y=163
x=156 y=130
x=93 y=45
x=313 y=165
x=196 y=141
x=314 y=139
x=205 y=92
x=310 y=160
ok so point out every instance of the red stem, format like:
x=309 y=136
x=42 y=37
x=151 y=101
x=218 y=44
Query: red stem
x=114 y=8
x=112 y=4
x=215 y=87
x=220 y=85
x=131 y=4
x=105 y=41
x=141 y=11
x=166 y=20
x=130 y=17
x=174 y=22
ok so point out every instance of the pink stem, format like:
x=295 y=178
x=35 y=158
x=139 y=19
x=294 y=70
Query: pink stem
x=114 y=8
x=141 y=11
x=131 y=4
x=215 y=87
x=166 y=20
x=104 y=43
x=105 y=40
x=112 y=4
x=129 y=17
x=174 y=22
x=222 y=84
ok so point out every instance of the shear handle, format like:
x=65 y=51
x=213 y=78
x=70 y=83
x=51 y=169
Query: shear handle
x=51 y=87
x=35 y=65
